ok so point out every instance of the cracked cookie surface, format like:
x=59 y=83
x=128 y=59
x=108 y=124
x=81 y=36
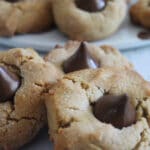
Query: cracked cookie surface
x=24 y=16
x=72 y=123
x=85 y=23
x=104 y=55
x=22 y=117
x=140 y=13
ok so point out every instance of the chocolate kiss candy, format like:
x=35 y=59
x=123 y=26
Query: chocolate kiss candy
x=80 y=60
x=116 y=110
x=9 y=83
x=91 y=5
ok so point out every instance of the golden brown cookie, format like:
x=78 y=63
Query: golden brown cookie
x=103 y=109
x=89 y=19
x=75 y=56
x=24 y=16
x=23 y=77
x=140 y=13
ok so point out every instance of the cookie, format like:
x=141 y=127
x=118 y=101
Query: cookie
x=24 y=16
x=23 y=77
x=140 y=13
x=88 y=20
x=81 y=55
x=102 y=109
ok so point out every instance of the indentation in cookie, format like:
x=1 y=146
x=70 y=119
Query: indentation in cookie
x=9 y=83
x=91 y=5
x=81 y=59
x=116 y=110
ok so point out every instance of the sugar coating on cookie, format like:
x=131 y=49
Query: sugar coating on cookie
x=140 y=13
x=75 y=56
x=23 y=77
x=24 y=16
x=89 y=19
x=72 y=121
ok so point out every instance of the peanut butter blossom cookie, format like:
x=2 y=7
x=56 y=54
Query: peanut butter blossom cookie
x=23 y=77
x=140 y=13
x=81 y=55
x=24 y=16
x=89 y=19
x=102 y=109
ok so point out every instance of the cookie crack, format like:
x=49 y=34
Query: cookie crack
x=143 y=112
x=70 y=79
x=24 y=60
x=39 y=85
x=22 y=118
x=9 y=118
x=142 y=139
x=18 y=120
x=64 y=125
x=14 y=67
x=29 y=58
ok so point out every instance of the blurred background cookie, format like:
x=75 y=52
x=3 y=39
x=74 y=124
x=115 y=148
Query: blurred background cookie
x=24 y=16
x=89 y=19
x=140 y=13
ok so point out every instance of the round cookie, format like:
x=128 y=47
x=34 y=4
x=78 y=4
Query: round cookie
x=89 y=19
x=23 y=77
x=107 y=108
x=81 y=55
x=24 y=16
x=140 y=13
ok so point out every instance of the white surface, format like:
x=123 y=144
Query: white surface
x=124 y=38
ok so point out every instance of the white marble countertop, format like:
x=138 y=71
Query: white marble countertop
x=141 y=60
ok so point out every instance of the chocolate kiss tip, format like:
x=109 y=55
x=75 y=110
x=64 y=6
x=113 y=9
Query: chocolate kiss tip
x=81 y=59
